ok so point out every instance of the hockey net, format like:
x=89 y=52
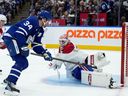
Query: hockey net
x=124 y=55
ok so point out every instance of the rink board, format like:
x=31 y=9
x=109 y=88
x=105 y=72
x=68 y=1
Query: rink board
x=92 y=38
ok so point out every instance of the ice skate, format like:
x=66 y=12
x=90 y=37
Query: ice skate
x=11 y=90
x=111 y=83
x=114 y=85
x=5 y=82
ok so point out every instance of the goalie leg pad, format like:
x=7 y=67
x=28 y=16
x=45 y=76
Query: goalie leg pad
x=95 y=79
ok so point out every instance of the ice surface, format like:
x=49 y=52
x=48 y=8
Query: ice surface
x=39 y=80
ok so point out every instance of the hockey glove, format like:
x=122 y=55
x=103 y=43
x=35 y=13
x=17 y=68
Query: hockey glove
x=54 y=66
x=47 y=56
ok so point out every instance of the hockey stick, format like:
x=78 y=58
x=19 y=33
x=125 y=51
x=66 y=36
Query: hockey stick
x=37 y=44
x=63 y=60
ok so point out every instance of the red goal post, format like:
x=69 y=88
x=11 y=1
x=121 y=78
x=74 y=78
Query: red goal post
x=124 y=55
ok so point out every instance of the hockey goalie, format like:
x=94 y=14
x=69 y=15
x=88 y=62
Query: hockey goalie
x=90 y=72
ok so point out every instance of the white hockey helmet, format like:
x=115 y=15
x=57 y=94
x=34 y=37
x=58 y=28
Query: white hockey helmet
x=3 y=18
x=63 y=40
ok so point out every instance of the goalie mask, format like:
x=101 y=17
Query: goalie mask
x=63 y=40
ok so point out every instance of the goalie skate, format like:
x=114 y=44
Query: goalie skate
x=11 y=90
x=114 y=85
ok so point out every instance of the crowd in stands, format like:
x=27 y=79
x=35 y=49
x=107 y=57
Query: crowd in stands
x=10 y=8
x=71 y=9
x=116 y=10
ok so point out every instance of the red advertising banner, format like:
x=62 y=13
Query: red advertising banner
x=83 y=18
x=99 y=19
x=58 y=22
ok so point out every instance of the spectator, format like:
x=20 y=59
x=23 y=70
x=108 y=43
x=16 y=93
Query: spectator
x=123 y=19
x=125 y=6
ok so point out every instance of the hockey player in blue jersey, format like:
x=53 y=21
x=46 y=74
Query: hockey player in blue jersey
x=17 y=38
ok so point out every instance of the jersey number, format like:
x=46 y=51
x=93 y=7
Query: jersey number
x=27 y=23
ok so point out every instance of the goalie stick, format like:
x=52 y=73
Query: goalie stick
x=63 y=60
x=76 y=63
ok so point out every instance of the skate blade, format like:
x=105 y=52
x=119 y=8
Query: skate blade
x=10 y=93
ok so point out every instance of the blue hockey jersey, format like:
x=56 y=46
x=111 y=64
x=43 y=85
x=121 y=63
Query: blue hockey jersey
x=27 y=31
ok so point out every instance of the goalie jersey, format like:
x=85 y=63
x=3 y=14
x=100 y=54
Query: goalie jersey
x=71 y=53
x=68 y=51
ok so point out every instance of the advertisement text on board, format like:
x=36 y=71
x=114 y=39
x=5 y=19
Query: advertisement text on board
x=100 y=34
